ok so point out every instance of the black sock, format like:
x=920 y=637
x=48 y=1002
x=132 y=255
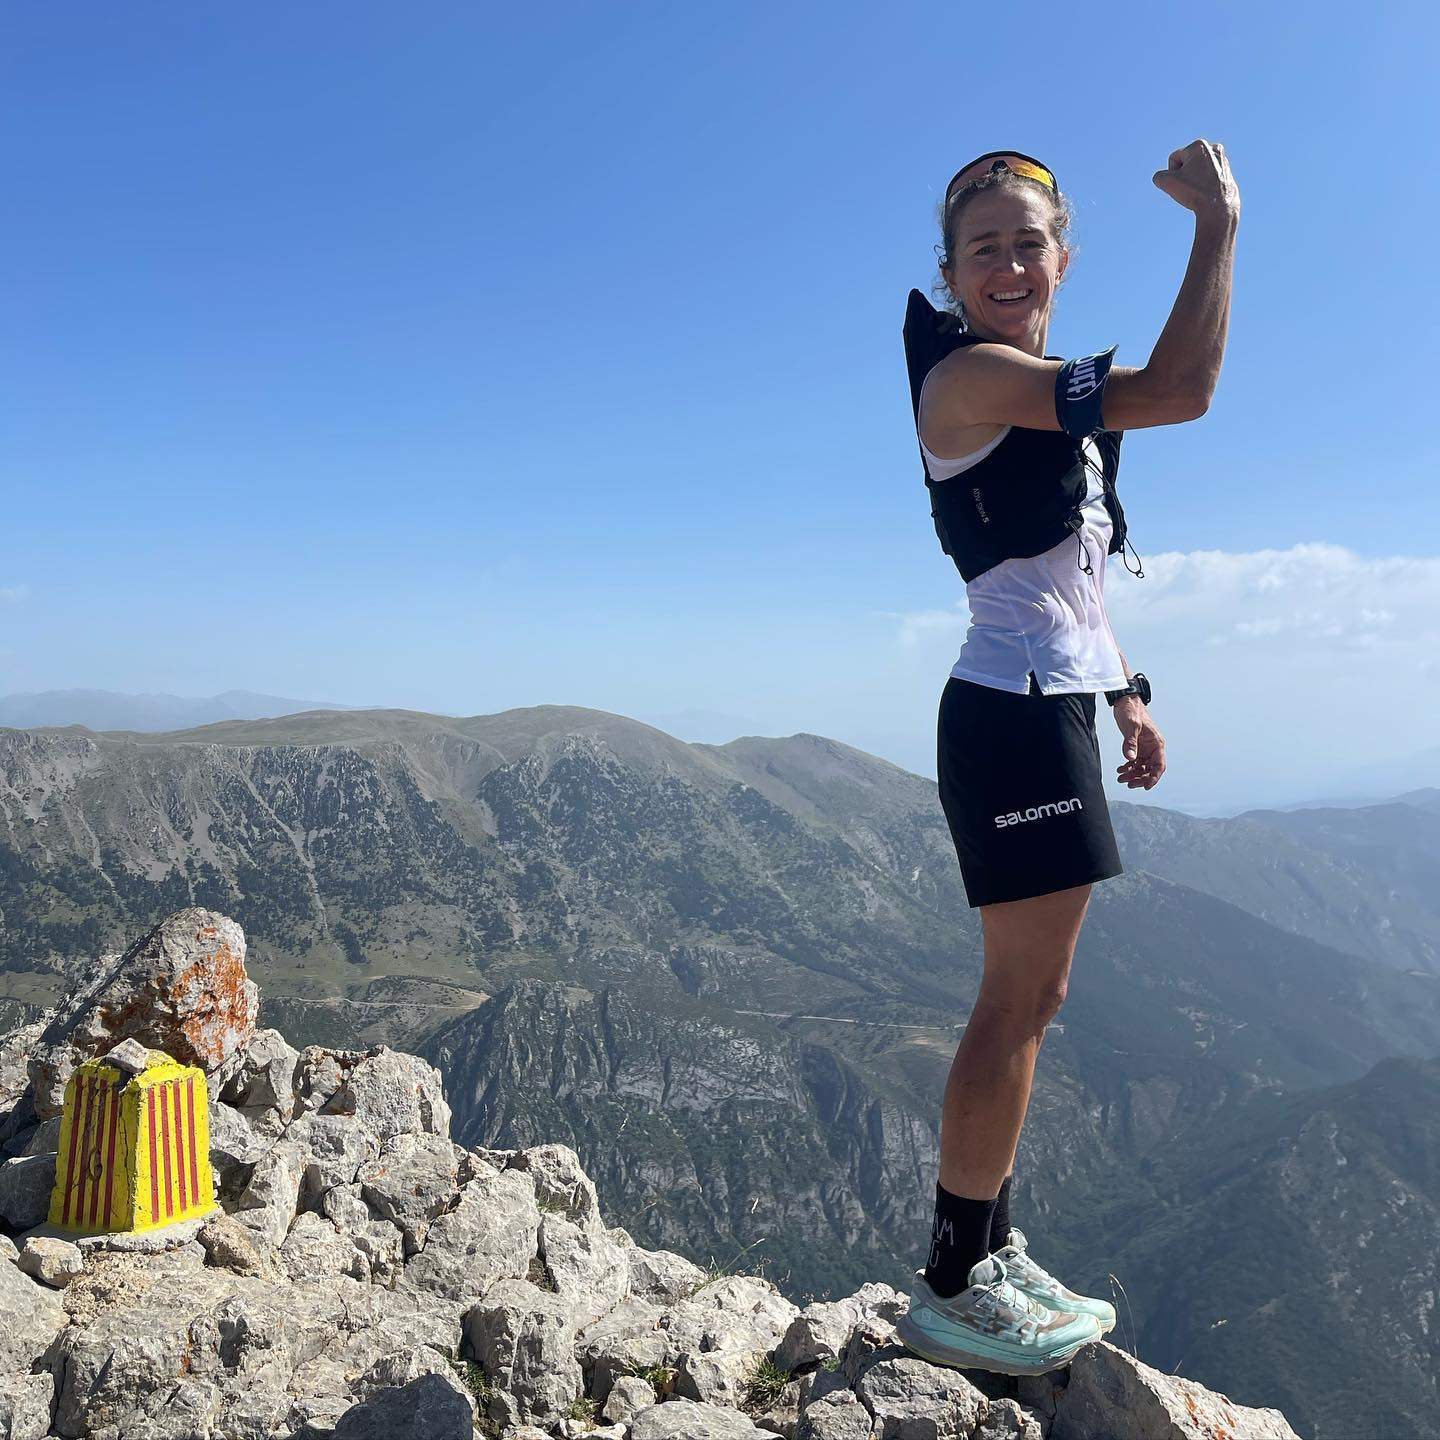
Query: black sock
x=1000 y=1221
x=959 y=1240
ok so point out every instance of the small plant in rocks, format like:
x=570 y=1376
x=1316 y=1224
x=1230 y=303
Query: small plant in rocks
x=478 y=1384
x=585 y=1409
x=714 y=1272
x=766 y=1382
x=660 y=1378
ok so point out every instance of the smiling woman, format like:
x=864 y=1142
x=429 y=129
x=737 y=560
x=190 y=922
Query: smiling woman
x=1021 y=451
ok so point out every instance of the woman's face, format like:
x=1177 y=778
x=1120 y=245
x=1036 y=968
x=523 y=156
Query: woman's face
x=1004 y=247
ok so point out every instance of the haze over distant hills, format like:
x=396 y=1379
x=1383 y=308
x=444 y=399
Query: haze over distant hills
x=112 y=710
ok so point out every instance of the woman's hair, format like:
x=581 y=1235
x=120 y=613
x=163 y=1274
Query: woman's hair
x=1061 y=219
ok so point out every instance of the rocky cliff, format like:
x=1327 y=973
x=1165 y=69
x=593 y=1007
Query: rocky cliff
x=365 y=1275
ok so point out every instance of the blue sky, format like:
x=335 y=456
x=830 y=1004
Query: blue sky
x=454 y=359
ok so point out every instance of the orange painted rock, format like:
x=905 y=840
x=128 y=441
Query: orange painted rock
x=181 y=989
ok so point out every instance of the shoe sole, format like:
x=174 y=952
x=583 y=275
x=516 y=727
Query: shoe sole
x=938 y=1354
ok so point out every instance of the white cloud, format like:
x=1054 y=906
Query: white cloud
x=1290 y=667
x=13 y=593
x=1319 y=597
x=1314 y=594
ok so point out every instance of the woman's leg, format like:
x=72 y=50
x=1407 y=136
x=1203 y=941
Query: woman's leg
x=1029 y=945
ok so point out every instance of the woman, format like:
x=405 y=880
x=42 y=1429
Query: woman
x=1021 y=469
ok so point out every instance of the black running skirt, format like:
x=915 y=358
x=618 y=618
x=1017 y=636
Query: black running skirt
x=1021 y=787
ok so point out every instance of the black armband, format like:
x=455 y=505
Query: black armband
x=1079 y=389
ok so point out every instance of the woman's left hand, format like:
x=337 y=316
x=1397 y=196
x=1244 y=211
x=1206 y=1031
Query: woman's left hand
x=1143 y=745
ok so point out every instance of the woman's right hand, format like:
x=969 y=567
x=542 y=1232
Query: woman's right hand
x=1199 y=178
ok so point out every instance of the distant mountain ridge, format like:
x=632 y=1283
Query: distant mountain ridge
x=103 y=710
x=604 y=934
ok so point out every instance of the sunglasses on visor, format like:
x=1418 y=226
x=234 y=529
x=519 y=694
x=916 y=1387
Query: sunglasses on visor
x=1011 y=160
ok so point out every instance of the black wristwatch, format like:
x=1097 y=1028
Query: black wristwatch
x=1139 y=685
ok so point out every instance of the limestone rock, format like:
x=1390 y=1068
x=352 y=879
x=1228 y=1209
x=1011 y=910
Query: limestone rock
x=262 y=1075
x=716 y=1336
x=693 y=1420
x=629 y=1394
x=627 y=1340
x=819 y=1332
x=25 y=1402
x=489 y=1235
x=411 y=1395
x=315 y=1248
x=560 y=1182
x=230 y=1245
x=910 y=1396
x=385 y=1091
x=17 y=1111
x=233 y=1142
x=410 y=1182
x=661 y=1274
x=268 y=1203
x=51 y=1261
x=129 y=1057
x=524 y=1339
x=836 y=1415
x=181 y=989
x=32 y=1315
x=1114 y=1396
x=335 y=1148
x=25 y=1185
x=584 y=1265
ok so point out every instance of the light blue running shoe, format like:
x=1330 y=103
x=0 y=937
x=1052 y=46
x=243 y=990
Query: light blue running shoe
x=1037 y=1282
x=990 y=1325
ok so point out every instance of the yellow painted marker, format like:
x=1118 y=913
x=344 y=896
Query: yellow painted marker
x=134 y=1151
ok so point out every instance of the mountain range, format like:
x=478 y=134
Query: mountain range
x=111 y=710
x=733 y=977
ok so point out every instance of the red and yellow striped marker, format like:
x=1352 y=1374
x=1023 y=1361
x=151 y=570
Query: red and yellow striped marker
x=134 y=1150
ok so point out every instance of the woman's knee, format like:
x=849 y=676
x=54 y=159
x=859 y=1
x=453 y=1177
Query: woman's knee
x=1018 y=1008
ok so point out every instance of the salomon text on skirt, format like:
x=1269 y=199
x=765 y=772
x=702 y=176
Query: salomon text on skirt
x=1021 y=788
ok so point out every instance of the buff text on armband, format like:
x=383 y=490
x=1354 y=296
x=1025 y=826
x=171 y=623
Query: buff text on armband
x=1079 y=390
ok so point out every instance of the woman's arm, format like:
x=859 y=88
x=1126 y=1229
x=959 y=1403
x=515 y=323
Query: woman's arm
x=1141 y=742
x=1184 y=367
x=998 y=384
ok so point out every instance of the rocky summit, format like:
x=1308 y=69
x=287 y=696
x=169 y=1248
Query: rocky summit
x=363 y=1275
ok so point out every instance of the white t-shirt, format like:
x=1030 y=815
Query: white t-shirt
x=1042 y=613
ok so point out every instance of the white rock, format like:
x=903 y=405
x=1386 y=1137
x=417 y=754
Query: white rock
x=25 y=1402
x=693 y=1420
x=410 y=1182
x=820 y=1330
x=268 y=1203
x=907 y=1395
x=524 y=1340
x=51 y=1261
x=585 y=1266
x=32 y=1315
x=315 y=1249
x=1113 y=1395
x=130 y=1057
x=489 y=1235
x=629 y=1394
x=661 y=1274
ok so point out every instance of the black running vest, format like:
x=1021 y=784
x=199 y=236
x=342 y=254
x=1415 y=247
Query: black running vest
x=1026 y=495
